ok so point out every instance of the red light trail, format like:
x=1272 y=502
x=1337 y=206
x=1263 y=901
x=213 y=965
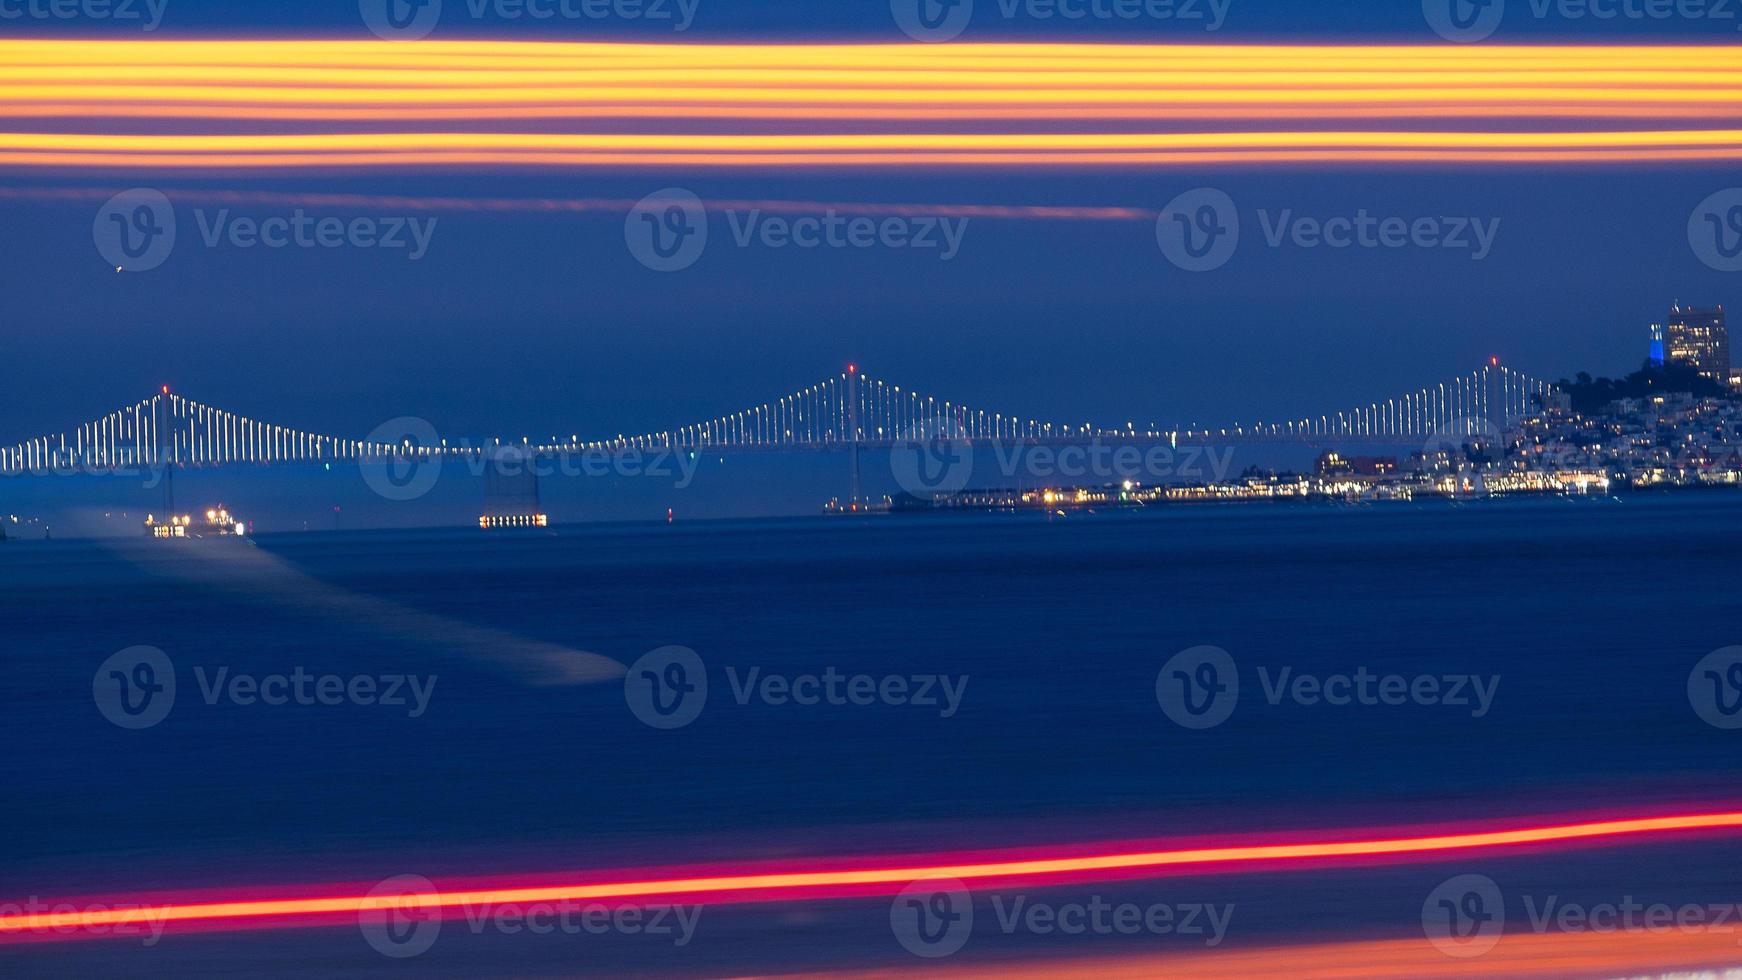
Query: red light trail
x=873 y=876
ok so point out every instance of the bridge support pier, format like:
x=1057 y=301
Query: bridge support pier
x=511 y=498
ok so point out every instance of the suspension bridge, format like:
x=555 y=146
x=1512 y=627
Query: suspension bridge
x=849 y=411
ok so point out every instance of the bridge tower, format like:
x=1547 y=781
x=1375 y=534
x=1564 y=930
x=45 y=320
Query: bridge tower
x=855 y=499
x=159 y=416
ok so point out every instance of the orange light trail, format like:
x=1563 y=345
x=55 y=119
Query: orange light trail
x=348 y=161
x=497 y=110
x=365 y=104
x=1549 y=956
x=893 y=142
x=789 y=885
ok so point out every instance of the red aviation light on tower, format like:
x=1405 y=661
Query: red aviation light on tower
x=852 y=369
x=1494 y=361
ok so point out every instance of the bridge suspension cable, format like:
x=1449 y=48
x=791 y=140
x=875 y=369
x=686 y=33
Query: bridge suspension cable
x=847 y=409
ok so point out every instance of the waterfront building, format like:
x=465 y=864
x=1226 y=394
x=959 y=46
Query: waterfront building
x=1697 y=337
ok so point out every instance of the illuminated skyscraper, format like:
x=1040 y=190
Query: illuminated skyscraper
x=1697 y=337
x=1655 y=353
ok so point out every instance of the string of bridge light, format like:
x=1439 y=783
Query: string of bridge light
x=848 y=408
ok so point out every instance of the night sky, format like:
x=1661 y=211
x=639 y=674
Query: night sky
x=520 y=323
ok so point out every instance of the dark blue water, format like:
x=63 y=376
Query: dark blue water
x=1588 y=616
